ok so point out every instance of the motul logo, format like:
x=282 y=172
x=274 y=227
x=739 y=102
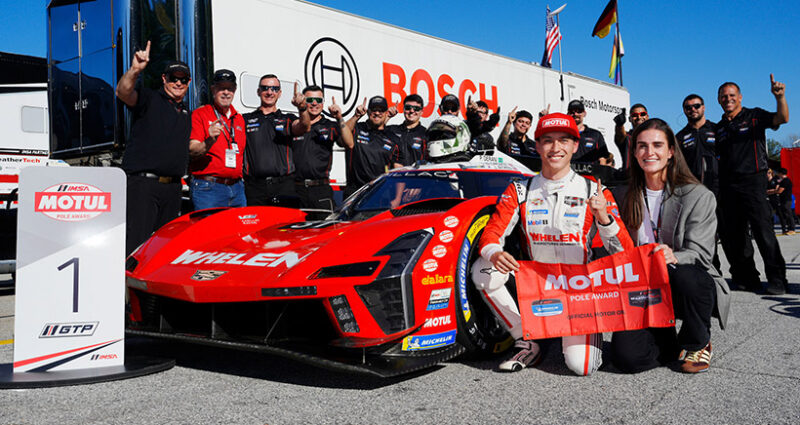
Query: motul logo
x=72 y=202
x=610 y=276
x=555 y=122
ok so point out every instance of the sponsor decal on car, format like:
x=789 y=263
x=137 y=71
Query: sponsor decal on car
x=439 y=251
x=72 y=202
x=437 y=279
x=451 y=221
x=430 y=265
x=203 y=275
x=548 y=307
x=439 y=299
x=435 y=322
x=427 y=342
x=463 y=264
x=249 y=219
x=446 y=236
x=64 y=329
x=262 y=259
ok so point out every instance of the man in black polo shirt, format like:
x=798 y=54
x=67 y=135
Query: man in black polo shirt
x=268 y=163
x=622 y=139
x=314 y=153
x=410 y=135
x=592 y=145
x=517 y=142
x=157 y=151
x=742 y=150
x=785 y=211
x=370 y=152
x=697 y=141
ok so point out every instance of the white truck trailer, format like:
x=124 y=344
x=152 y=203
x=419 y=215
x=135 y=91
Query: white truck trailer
x=91 y=43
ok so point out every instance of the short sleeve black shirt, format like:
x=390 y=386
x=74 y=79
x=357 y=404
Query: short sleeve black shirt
x=742 y=142
x=412 y=143
x=159 y=140
x=519 y=146
x=786 y=195
x=373 y=153
x=592 y=146
x=268 y=151
x=313 y=151
x=698 y=146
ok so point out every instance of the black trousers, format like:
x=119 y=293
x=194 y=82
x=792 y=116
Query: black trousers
x=693 y=298
x=742 y=202
x=786 y=216
x=317 y=197
x=150 y=205
x=275 y=192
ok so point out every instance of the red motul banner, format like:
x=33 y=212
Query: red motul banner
x=626 y=291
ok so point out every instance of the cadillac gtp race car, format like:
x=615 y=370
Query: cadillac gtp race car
x=381 y=286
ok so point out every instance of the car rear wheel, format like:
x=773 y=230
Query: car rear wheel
x=479 y=331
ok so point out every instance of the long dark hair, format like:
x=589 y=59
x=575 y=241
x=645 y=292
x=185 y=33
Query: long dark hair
x=678 y=173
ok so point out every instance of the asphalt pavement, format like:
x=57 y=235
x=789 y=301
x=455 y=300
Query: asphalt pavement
x=754 y=378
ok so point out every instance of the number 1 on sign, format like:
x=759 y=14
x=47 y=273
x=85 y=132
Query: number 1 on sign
x=73 y=261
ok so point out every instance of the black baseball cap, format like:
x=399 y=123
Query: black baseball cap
x=450 y=103
x=378 y=103
x=224 y=76
x=174 y=67
x=576 y=105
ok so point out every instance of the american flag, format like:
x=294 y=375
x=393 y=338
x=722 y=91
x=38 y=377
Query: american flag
x=552 y=39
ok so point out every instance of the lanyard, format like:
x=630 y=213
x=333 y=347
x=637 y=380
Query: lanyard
x=232 y=136
x=655 y=226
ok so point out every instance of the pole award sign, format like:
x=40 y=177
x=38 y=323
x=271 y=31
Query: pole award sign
x=70 y=288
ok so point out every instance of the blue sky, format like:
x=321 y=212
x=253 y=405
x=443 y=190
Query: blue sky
x=672 y=48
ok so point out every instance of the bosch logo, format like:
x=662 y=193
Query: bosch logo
x=331 y=66
x=72 y=202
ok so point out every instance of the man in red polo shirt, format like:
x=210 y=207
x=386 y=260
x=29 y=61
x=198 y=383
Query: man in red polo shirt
x=217 y=148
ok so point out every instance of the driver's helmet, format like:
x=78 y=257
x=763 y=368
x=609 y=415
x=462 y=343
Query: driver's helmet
x=447 y=135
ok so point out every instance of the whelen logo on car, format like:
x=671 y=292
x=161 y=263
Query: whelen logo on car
x=72 y=202
x=262 y=259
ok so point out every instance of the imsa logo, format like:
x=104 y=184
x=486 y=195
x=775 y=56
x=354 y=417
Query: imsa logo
x=58 y=330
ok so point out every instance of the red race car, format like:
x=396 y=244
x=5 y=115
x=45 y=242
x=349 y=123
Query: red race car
x=380 y=286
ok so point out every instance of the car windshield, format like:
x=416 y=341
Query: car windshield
x=397 y=189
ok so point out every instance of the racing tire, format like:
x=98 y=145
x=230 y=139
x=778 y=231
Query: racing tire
x=479 y=330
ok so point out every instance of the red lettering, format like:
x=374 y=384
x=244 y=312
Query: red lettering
x=444 y=80
x=418 y=76
x=492 y=102
x=573 y=237
x=462 y=91
x=390 y=88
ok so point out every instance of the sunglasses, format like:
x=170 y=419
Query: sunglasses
x=412 y=108
x=693 y=106
x=268 y=88
x=174 y=79
x=638 y=115
x=379 y=110
x=576 y=111
x=313 y=100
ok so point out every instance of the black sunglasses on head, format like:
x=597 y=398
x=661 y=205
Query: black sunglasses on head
x=175 y=78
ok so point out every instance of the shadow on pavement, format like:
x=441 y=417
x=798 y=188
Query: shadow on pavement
x=259 y=365
x=785 y=306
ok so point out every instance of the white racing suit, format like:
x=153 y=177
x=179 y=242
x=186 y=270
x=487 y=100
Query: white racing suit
x=557 y=227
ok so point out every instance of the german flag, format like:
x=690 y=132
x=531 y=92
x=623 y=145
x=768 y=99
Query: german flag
x=607 y=18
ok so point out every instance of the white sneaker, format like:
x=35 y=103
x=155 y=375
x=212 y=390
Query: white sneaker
x=528 y=354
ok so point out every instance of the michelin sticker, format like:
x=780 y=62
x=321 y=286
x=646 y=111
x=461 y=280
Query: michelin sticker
x=427 y=342
x=463 y=264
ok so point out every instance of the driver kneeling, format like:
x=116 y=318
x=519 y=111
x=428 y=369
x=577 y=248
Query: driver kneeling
x=558 y=213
